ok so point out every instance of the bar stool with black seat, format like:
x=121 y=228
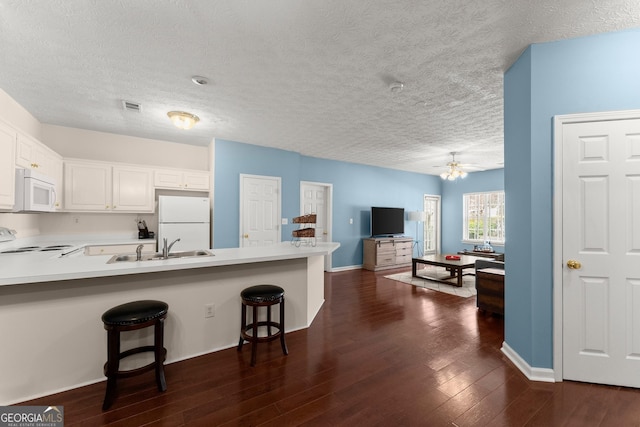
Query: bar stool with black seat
x=129 y=317
x=262 y=296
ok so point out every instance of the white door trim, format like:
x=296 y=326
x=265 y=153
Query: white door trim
x=243 y=176
x=329 y=217
x=558 y=262
x=439 y=222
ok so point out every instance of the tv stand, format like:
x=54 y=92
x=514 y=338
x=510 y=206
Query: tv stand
x=383 y=253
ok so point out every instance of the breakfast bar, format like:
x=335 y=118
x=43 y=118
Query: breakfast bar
x=52 y=307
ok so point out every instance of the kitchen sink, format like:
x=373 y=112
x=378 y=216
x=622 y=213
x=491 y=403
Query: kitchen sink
x=158 y=256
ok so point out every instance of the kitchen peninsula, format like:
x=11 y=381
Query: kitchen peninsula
x=53 y=338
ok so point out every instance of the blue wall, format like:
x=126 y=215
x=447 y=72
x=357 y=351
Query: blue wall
x=452 y=205
x=518 y=210
x=355 y=189
x=233 y=159
x=589 y=74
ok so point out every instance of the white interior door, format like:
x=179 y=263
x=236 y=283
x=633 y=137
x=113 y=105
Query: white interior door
x=316 y=198
x=259 y=210
x=601 y=251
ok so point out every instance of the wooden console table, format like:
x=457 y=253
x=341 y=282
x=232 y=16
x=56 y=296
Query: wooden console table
x=493 y=255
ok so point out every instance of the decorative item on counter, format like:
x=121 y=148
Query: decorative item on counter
x=143 y=231
x=452 y=257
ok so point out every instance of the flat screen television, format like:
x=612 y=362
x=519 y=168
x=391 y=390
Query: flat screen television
x=387 y=221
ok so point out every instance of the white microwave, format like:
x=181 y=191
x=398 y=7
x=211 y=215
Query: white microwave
x=35 y=192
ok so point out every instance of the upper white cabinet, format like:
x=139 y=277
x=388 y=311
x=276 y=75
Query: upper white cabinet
x=7 y=167
x=100 y=187
x=87 y=186
x=133 y=189
x=32 y=154
x=58 y=174
x=181 y=179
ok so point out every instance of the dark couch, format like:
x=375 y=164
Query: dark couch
x=489 y=263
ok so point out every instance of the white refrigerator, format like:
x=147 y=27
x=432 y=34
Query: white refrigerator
x=184 y=218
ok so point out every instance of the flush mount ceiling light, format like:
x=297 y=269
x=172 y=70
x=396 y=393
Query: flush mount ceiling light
x=396 y=87
x=183 y=120
x=199 y=80
x=455 y=171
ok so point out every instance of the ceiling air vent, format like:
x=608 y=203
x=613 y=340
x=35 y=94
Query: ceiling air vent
x=131 y=106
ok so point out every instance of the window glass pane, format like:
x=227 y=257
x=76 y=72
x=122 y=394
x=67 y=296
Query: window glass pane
x=483 y=217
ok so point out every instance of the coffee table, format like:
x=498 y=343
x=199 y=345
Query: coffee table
x=454 y=267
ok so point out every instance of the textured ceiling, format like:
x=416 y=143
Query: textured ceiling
x=307 y=76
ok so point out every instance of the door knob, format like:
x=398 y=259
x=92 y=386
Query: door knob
x=574 y=265
x=246 y=236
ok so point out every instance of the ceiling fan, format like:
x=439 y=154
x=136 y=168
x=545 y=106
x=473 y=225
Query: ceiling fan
x=455 y=170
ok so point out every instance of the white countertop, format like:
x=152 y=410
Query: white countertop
x=34 y=267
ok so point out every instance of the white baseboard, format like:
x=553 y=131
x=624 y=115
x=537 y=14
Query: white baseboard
x=347 y=268
x=533 y=374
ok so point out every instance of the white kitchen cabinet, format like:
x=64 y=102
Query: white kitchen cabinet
x=26 y=152
x=7 y=167
x=58 y=175
x=190 y=180
x=32 y=154
x=132 y=189
x=102 y=187
x=87 y=186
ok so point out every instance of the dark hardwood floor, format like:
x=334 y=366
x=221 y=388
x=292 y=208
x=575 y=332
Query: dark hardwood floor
x=379 y=353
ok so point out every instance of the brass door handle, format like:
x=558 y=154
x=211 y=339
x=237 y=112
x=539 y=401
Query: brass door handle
x=246 y=236
x=574 y=265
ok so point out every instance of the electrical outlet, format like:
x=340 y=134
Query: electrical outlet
x=209 y=310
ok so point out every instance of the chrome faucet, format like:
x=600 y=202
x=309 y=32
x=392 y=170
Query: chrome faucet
x=166 y=249
x=139 y=252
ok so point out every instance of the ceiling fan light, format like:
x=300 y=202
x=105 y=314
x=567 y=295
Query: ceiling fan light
x=182 y=119
x=454 y=171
